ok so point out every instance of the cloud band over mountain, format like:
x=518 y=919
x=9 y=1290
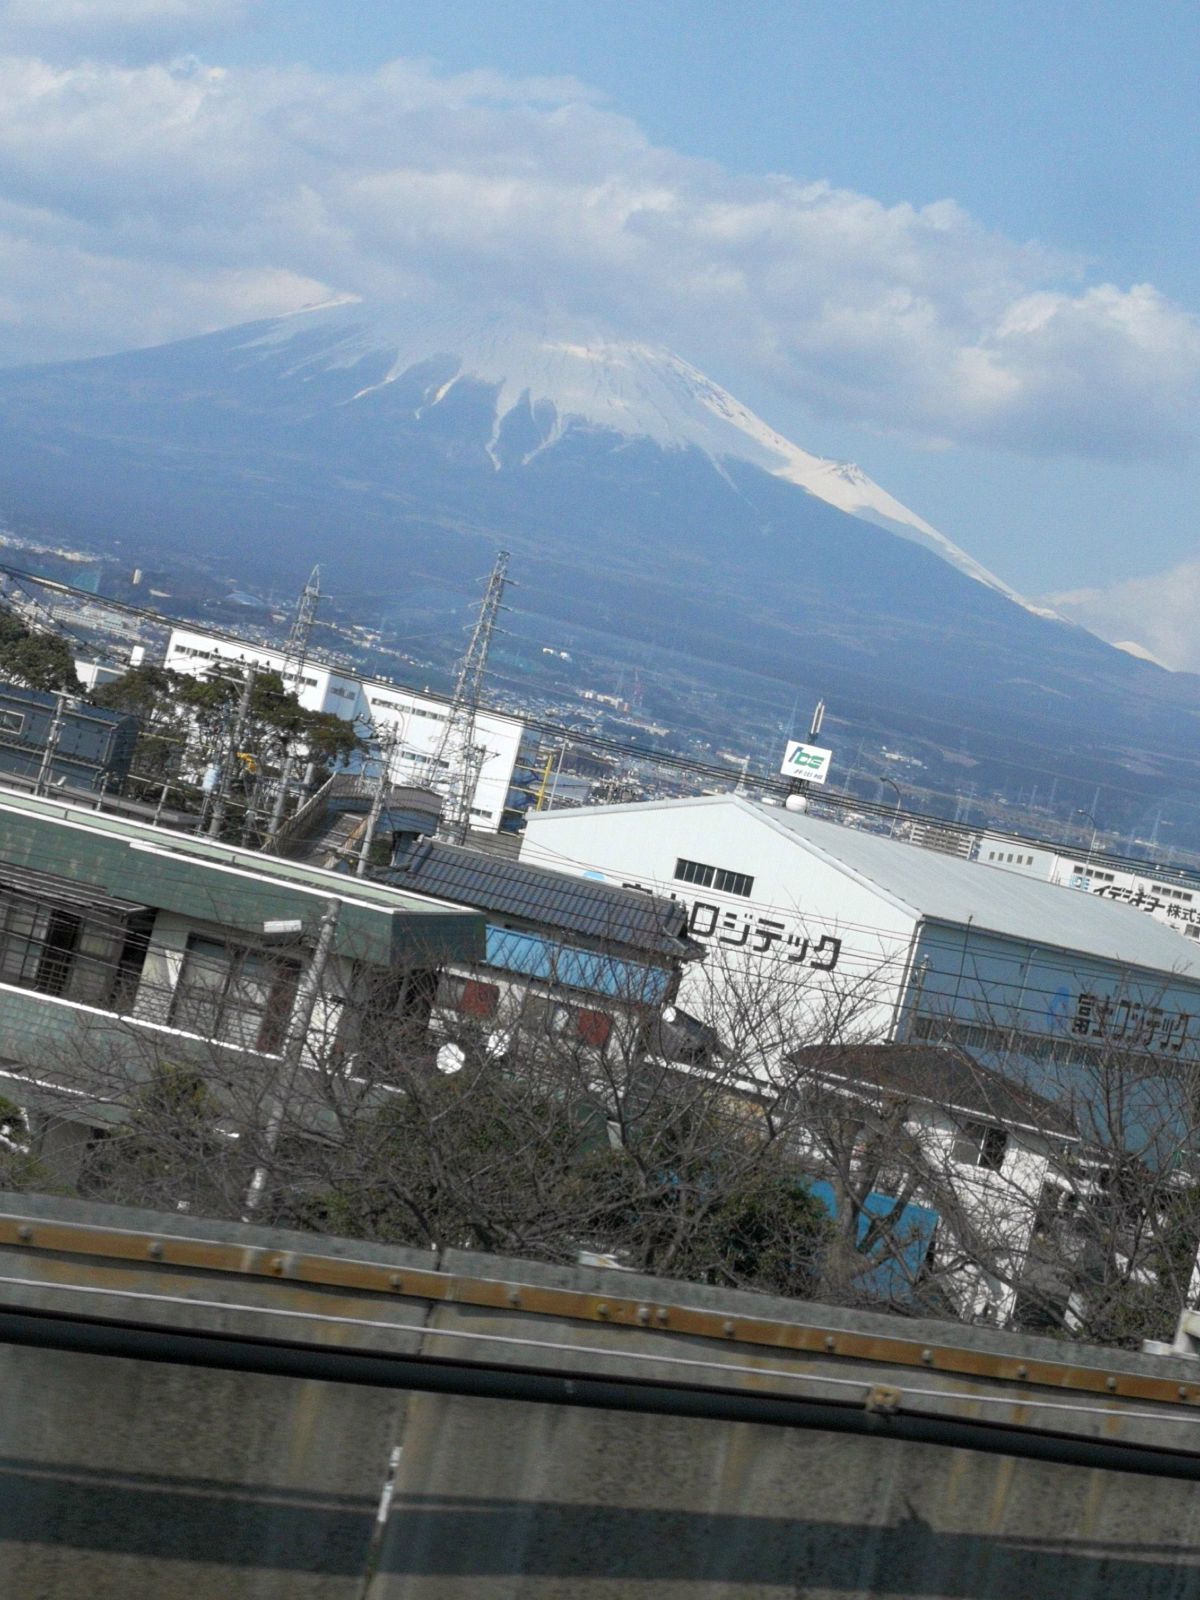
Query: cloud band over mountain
x=143 y=201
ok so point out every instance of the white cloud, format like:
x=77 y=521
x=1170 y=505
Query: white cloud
x=184 y=180
x=1158 y=612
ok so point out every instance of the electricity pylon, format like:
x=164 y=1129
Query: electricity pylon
x=455 y=754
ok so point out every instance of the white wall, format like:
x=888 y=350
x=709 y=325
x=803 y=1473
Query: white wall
x=1001 y=1205
x=419 y=718
x=807 y=928
x=1017 y=855
x=1176 y=904
x=195 y=653
x=421 y=722
x=92 y=674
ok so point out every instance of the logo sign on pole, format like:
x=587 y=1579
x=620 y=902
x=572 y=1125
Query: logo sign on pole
x=807 y=761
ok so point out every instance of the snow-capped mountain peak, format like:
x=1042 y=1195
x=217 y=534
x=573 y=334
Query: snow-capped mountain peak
x=583 y=378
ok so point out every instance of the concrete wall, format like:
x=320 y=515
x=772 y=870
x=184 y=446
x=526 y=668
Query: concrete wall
x=123 y=1478
x=559 y=1503
x=126 y=1480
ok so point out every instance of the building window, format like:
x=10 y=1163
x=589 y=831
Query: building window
x=979 y=1144
x=718 y=878
x=11 y=722
x=62 y=952
x=234 y=995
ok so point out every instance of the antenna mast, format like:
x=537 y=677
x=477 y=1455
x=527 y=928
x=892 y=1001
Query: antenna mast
x=455 y=754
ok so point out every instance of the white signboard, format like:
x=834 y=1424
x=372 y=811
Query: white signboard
x=807 y=761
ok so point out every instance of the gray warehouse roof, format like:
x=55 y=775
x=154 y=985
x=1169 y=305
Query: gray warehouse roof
x=540 y=894
x=945 y=889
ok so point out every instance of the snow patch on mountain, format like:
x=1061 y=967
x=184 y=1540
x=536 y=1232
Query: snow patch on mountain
x=588 y=379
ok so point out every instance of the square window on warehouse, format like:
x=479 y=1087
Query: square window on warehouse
x=719 y=878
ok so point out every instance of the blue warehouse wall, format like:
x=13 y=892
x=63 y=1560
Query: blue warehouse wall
x=1063 y=1023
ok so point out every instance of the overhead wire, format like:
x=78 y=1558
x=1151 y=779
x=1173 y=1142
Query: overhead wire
x=612 y=745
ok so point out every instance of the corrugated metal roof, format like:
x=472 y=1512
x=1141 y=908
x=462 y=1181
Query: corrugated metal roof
x=558 y=900
x=951 y=890
x=944 y=889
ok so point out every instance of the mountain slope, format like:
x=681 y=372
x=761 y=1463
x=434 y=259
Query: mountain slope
x=566 y=379
x=641 y=503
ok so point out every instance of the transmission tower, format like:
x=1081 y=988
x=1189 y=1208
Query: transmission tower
x=456 y=755
x=295 y=652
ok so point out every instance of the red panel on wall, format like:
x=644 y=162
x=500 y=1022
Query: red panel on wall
x=594 y=1028
x=479 y=999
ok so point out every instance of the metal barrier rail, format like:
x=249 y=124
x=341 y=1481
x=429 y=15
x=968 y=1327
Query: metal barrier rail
x=370 y=1278
x=882 y=1415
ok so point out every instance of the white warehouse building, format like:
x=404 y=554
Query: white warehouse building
x=414 y=721
x=1025 y=1031
x=1171 y=897
x=907 y=944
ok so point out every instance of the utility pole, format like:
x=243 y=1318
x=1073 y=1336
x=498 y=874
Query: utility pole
x=281 y=793
x=387 y=746
x=308 y=991
x=799 y=786
x=250 y=819
x=455 y=752
x=295 y=656
x=236 y=739
x=892 y=784
x=162 y=801
x=52 y=737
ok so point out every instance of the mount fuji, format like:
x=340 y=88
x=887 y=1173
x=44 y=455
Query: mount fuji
x=640 y=500
x=562 y=379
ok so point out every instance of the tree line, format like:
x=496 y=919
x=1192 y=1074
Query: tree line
x=795 y=1154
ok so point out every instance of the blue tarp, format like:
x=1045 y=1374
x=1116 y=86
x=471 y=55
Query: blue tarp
x=535 y=957
x=891 y=1266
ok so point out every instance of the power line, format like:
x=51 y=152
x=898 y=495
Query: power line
x=840 y=805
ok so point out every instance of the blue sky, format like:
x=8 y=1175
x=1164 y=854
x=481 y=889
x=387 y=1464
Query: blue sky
x=953 y=241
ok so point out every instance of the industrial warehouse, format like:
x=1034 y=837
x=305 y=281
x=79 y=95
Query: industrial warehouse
x=931 y=947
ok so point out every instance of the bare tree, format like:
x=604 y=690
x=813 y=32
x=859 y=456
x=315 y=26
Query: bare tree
x=772 y=1141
